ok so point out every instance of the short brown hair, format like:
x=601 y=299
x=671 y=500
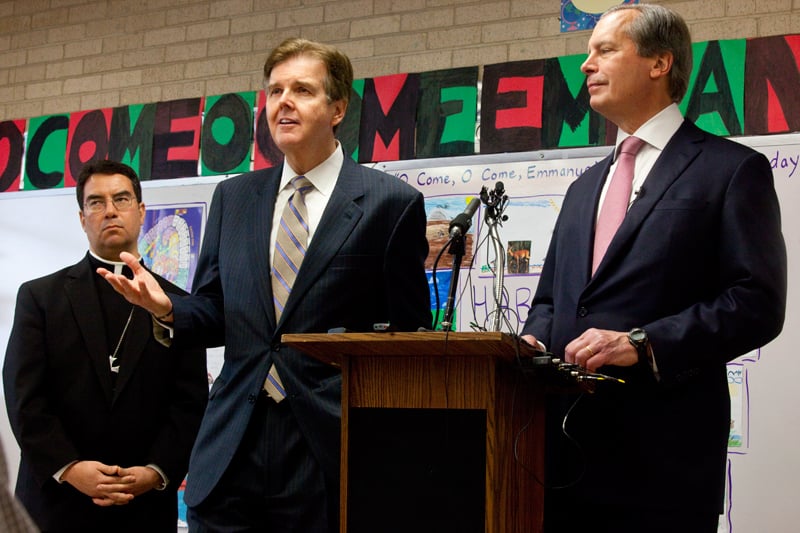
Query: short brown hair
x=339 y=80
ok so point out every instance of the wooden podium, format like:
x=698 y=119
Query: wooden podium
x=408 y=375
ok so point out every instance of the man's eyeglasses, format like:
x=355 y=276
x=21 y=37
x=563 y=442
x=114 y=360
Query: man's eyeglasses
x=96 y=206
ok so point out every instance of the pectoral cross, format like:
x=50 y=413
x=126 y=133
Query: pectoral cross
x=111 y=360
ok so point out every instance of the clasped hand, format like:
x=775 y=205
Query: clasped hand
x=110 y=485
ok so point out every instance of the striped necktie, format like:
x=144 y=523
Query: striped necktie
x=290 y=248
x=618 y=197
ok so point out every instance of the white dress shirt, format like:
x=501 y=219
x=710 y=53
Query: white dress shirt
x=323 y=177
x=656 y=133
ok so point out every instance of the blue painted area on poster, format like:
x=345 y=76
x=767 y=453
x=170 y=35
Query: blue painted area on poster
x=170 y=241
x=574 y=19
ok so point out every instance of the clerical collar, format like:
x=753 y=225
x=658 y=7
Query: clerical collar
x=113 y=266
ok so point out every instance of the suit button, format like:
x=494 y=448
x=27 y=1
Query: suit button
x=251 y=398
x=582 y=312
x=276 y=347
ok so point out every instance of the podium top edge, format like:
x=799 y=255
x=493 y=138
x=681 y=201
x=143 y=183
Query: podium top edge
x=332 y=347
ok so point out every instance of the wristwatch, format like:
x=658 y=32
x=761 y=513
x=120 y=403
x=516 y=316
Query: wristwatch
x=638 y=338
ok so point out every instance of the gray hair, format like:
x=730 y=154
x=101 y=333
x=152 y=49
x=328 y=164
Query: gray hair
x=659 y=29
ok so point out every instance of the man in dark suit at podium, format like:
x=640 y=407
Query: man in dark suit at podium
x=104 y=414
x=690 y=275
x=267 y=456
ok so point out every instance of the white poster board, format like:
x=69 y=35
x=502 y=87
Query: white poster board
x=42 y=233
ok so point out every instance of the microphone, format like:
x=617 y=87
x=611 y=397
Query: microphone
x=462 y=222
x=495 y=201
x=499 y=189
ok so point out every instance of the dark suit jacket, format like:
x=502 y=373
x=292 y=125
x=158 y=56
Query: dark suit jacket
x=700 y=263
x=365 y=264
x=63 y=407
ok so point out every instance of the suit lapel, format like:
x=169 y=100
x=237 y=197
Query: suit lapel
x=263 y=206
x=587 y=214
x=85 y=305
x=338 y=220
x=679 y=153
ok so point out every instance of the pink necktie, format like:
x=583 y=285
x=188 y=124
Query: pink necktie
x=618 y=197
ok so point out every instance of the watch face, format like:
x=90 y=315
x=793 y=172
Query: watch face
x=638 y=336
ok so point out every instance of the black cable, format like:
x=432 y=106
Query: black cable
x=435 y=283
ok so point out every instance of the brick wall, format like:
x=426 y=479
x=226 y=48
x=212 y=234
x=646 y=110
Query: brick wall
x=70 y=55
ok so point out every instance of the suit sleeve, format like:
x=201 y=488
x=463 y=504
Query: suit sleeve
x=406 y=283
x=186 y=403
x=748 y=309
x=38 y=430
x=199 y=318
x=540 y=316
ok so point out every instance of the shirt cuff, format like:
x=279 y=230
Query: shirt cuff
x=164 y=478
x=57 y=475
x=652 y=360
x=162 y=332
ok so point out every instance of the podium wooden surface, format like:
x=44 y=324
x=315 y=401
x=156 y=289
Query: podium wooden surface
x=456 y=370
